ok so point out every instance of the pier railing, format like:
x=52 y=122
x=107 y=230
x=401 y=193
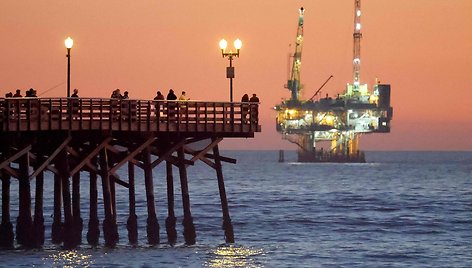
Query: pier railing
x=45 y=114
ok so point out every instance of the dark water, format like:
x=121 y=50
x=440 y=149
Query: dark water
x=402 y=209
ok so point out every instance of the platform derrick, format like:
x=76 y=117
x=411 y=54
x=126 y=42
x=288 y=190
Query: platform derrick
x=339 y=121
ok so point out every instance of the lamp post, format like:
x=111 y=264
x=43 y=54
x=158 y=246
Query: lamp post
x=69 y=43
x=230 y=70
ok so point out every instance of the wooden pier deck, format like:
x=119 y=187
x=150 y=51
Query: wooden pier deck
x=219 y=118
x=70 y=136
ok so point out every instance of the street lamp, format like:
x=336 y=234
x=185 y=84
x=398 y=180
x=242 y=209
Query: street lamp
x=69 y=43
x=230 y=70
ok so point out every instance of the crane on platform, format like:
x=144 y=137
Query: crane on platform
x=294 y=84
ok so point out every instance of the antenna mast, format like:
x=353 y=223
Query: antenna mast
x=357 y=45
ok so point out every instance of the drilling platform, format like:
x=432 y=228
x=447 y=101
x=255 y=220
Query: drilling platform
x=328 y=129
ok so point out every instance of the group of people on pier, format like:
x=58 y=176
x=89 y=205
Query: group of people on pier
x=171 y=96
x=31 y=93
x=116 y=94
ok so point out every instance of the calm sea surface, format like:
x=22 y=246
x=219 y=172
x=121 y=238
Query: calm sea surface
x=401 y=209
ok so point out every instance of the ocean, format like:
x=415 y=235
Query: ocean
x=401 y=209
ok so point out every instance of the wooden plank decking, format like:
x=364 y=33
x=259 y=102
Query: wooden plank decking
x=82 y=114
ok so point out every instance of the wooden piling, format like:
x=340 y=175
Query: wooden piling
x=68 y=226
x=132 y=222
x=77 y=220
x=189 y=228
x=24 y=222
x=93 y=232
x=56 y=229
x=170 y=220
x=227 y=225
x=110 y=231
x=38 y=223
x=152 y=227
x=6 y=228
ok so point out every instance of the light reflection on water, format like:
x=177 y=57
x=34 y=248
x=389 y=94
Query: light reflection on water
x=234 y=256
x=69 y=259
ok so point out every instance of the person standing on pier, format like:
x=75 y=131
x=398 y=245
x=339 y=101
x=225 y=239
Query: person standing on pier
x=74 y=104
x=171 y=95
x=159 y=96
x=171 y=106
x=254 y=98
x=245 y=108
x=125 y=95
x=75 y=94
x=17 y=94
x=254 y=111
x=116 y=94
x=183 y=97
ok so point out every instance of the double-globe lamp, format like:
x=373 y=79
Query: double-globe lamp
x=230 y=70
x=69 y=43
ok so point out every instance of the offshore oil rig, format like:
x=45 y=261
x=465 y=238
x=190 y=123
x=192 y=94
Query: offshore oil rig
x=313 y=124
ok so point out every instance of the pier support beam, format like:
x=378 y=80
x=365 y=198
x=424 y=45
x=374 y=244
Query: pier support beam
x=77 y=220
x=6 y=228
x=56 y=232
x=24 y=222
x=227 y=225
x=189 y=228
x=110 y=229
x=38 y=223
x=132 y=222
x=62 y=164
x=152 y=227
x=171 y=220
x=93 y=232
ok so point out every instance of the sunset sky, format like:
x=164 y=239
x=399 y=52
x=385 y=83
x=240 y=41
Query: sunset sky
x=423 y=48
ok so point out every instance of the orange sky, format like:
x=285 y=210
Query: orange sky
x=423 y=48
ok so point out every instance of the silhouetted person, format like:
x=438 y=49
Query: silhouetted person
x=159 y=96
x=9 y=95
x=245 y=107
x=116 y=94
x=254 y=110
x=183 y=97
x=125 y=95
x=74 y=103
x=31 y=93
x=17 y=94
x=171 y=106
x=75 y=94
x=171 y=95
x=254 y=98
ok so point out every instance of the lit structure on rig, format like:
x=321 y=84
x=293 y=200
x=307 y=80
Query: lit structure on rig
x=339 y=121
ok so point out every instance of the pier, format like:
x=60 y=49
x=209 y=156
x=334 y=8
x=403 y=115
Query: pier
x=72 y=136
